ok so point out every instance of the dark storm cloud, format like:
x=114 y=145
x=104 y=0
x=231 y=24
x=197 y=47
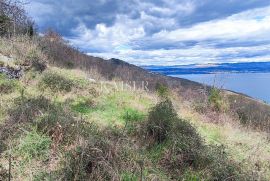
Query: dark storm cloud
x=161 y=31
x=215 y=9
x=66 y=14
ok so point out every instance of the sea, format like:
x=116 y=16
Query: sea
x=252 y=79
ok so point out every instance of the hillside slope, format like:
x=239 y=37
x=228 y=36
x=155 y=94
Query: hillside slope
x=252 y=112
x=69 y=120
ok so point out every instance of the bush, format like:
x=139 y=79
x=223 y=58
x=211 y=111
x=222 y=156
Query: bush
x=94 y=158
x=184 y=148
x=57 y=120
x=48 y=118
x=33 y=145
x=27 y=109
x=69 y=64
x=56 y=82
x=221 y=167
x=162 y=90
x=132 y=118
x=185 y=135
x=181 y=148
x=160 y=120
x=215 y=99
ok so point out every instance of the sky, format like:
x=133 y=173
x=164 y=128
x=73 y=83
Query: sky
x=161 y=32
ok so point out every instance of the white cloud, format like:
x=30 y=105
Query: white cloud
x=107 y=38
x=171 y=8
x=127 y=38
x=252 y=24
x=196 y=54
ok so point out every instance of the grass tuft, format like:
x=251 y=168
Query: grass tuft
x=33 y=146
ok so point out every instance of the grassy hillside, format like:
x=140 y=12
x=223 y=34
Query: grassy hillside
x=62 y=122
x=252 y=112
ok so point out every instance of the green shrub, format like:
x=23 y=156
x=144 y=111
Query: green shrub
x=185 y=136
x=220 y=165
x=57 y=116
x=7 y=86
x=183 y=149
x=132 y=117
x=215 y=99
x=160 y=120
x=33 y=145
x=49 y=118
x=162 y=90
x=41 y=113
x=56 y=82
x=178 y=148
x=69 y=64
x=187 y=150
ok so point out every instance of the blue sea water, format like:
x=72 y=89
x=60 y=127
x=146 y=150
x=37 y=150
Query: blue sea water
x=256 y=85
x=250 y=78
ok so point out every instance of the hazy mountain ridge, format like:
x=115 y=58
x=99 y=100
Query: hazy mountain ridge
x=243 y=67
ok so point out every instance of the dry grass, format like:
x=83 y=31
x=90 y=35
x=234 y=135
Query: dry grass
x=108 y=150
x=20 y=48
x=245 y=145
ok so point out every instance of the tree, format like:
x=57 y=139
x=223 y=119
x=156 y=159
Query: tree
x=14 y=20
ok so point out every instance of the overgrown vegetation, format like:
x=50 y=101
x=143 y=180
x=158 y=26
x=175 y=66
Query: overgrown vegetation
x=56 y=82
x=56 y=124
x=14 y=20
x=181 y=148
x=162 y=90
x=33 y=146
x=35 y=61
x=217 y=100
x=7 y=86
x=161 y=120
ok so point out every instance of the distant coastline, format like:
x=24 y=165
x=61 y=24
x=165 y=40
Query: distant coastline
x=245 y=67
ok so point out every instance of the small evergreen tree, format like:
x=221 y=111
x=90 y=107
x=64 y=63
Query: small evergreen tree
x=162 y=90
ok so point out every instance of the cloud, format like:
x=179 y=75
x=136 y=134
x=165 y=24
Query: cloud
x=105 y=38
x=162 y=32
x=251 y=24
x=197 y=54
